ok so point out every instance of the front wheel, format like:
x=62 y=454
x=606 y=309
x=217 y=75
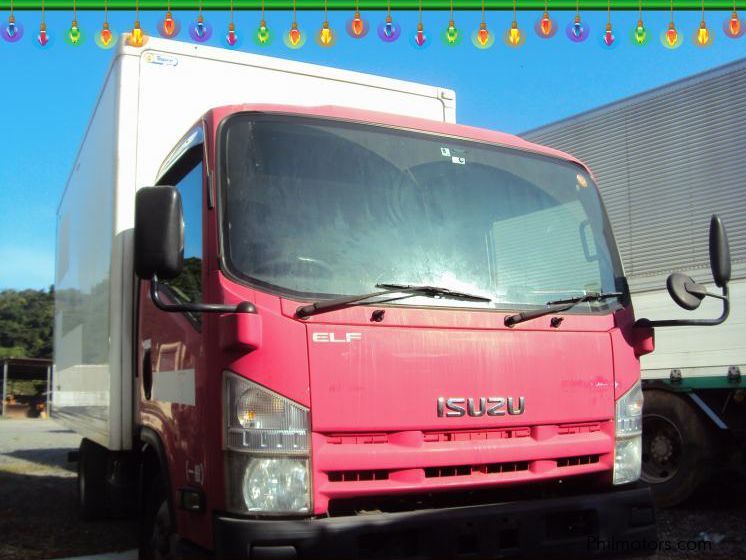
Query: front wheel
x=676 y=447
x=157 y=534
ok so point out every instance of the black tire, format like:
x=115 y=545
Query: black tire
x=157 y=532
x=676 y=447
x=92 y=497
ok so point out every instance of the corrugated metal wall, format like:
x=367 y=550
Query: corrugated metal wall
x=665 y=160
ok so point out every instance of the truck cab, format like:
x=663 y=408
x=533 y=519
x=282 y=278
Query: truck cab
x=365 y=335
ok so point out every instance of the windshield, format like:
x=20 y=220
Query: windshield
x=317 y=208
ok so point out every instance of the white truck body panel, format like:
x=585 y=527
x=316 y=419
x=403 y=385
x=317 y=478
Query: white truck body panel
x=150 y=98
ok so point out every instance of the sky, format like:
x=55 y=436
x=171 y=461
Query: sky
x=46 y=96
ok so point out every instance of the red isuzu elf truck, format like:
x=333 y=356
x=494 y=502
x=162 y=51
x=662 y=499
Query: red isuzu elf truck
x=341 y=325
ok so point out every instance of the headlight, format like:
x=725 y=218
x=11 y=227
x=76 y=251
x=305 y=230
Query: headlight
x=628 y=450
x=266 y=450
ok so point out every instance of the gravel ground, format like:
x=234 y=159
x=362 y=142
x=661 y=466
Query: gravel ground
x=38 y=517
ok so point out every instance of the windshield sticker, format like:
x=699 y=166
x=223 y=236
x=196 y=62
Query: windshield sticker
x=445 y=152
x=458 y=160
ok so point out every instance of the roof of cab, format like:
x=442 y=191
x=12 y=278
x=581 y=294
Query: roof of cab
x=400 y=121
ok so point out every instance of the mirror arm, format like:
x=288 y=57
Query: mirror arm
x=692 y=322
x=155 y=295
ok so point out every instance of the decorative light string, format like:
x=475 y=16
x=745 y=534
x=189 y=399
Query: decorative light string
x=42 y=39
x=420 y=39
x=105 y=38
x=389 y=31
x=732 y=26
x=263 y=36
x=168 y=27
x=451 y=35
x=357 y=27
x=231 y=38
x=608 y=39
x=639 y=33
x=14 y=30
x=545 y=27
x=295 y=38
x=200 y=30
x=326 y=36
x=74 y=36
x=577 y=31
x=137 y=36
x=482 y=39
x=703 y=37
x=513 y=37
x=671 y=38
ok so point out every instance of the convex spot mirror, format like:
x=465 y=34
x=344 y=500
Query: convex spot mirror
x=684 y=290
x=159 y=233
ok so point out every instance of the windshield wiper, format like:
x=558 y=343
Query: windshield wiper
x=409 y=289
x=558 y=306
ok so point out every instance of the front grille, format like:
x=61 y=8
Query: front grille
x=357 y=476
x=468 y=470
x=575 y=461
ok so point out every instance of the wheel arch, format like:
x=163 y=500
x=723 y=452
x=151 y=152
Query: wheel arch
x=154 y=462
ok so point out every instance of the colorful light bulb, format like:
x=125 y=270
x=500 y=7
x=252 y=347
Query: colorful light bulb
x=294 y=35
x=608 y=37
x=137 y=37
x=169 y=25
x=672 y=36
x=451 y=33
x=357 y=25
x=11 y=30
x=483 y=36
x=734 y=25
x=326 y=37
x=42 y=38
x=640 y=33
x=73 y=34
x=105 y=35
x=514 y=35
x=388 y=28
x=420 y=38
x=546 y=25
x=703 y=34
x=262 y=34
x=231 y=38
x=200 y=29
x=577 y=27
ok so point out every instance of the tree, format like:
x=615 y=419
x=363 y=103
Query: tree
x=26 y=322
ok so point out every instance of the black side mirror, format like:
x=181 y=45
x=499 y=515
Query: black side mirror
x=685 y=291
x=688 y=294
x=719 y=252
x=159 y=248
x=159 y=233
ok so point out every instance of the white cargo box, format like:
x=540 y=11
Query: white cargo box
x=149 y=99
